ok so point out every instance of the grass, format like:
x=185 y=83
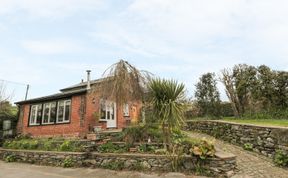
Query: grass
x=262 y=122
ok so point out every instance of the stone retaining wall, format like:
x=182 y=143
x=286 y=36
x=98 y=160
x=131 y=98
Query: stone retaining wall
x=221 y=165
x=264 y=140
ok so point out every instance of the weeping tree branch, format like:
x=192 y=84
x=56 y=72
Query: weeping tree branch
x=123 y=82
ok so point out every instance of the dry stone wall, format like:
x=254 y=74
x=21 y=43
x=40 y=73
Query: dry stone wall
x=221 y=165
x=263 y=140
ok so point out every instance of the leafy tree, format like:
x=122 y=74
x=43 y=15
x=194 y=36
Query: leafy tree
x=167 y=100
x=281 y=90
x=207 y=95
x=258 y=90
x=245 y=84
x=266 y=85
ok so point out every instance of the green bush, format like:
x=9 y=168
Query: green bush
x=43 y=144
x=9 y=158
x=133 y=134
x=248 y=146
x=200 y=148
x=66 y=146
x=68 y=162
x=109 y=147
x=281 y=158
x=146 y=148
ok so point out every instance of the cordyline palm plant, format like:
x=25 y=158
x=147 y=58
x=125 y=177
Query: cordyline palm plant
x=123 y=82
x=167 y=100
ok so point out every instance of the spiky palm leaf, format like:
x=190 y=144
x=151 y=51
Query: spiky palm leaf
x=167 y=98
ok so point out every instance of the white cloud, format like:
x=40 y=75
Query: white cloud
x=239 y=29
x=48 y=8
x=53 y=46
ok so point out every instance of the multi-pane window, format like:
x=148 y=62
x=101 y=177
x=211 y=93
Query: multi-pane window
x=107 y=110
x=49 y=113
x=36 y=114
x=63 y=113
x=126 y=110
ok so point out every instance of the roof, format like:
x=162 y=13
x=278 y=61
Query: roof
x=54 y=96
x=81 y=85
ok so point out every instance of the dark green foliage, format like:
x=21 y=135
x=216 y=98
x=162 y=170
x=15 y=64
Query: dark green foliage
x=257 y=91
x=110 y=147
x=226 y=109
x=167 y=100
x=281 y=158
x=207 y=96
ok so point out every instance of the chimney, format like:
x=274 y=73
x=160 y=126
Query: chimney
x=88 y=79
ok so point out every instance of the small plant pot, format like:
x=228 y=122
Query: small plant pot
x=133 y=150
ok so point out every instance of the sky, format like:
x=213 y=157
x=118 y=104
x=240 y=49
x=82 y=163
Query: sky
x=49 y=44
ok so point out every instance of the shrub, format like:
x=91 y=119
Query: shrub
x=68 y=162
x=42 y=144
x=26 y=144
x=200 y=148
x=248 y=146
x=109 y=147
x=133 y=134
x=146 y=148
x=281 y=158
x=66 y=146
x=9 y=158
x=114 y=165
x=48 y=146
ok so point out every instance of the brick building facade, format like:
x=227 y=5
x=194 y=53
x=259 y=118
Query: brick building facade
x=74 y=112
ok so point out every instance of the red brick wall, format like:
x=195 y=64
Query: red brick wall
x=70 y=129
x=80 y=123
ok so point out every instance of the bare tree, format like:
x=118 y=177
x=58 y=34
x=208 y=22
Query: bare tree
x=4 y=97
x=227 y=80
x=124 y=82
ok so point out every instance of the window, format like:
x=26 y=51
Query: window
x=63 y=112
x=36 y=114
x=126 y=110
x=49 y=113
x=102 y=110
x=107 y=110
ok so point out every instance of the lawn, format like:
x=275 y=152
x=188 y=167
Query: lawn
x=262 y=122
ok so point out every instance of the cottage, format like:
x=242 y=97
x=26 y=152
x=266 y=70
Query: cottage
x=74 y=112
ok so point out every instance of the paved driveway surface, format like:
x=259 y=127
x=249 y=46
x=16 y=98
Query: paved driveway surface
x=250 y=165
x=20 y=170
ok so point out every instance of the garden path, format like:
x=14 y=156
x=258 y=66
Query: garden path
x=249 y=164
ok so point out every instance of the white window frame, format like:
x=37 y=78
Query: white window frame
x=36 y=114
x=49 y=113
x=64 y=111
x=107 y=110
x=126 y=110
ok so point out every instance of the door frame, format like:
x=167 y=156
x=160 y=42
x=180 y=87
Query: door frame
x=112 y=121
